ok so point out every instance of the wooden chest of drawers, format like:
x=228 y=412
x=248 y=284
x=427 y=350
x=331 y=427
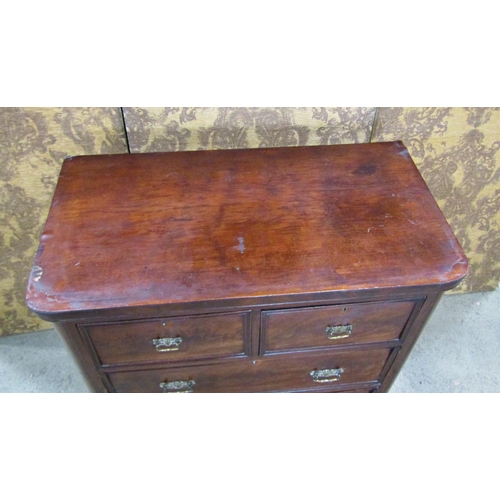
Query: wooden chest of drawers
x=280 y=269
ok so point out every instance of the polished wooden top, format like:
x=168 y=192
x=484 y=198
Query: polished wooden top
x=162 y=228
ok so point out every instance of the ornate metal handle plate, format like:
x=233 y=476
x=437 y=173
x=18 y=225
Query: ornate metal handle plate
x=178 y=386
x=327 y=375
x=167 y=344
x=338 y=332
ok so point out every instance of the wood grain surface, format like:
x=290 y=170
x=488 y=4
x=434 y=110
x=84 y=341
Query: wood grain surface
x=306 y=327
x=200 y=336
x=168 y=228
x=281 y=373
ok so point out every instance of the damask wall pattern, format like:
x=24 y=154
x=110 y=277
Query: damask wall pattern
x=189 y=129
x=33 y=145
x=457 y=153
x=456 y=150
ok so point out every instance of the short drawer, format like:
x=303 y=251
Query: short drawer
x=274 y=373
x=170 y=339
x=328 y=326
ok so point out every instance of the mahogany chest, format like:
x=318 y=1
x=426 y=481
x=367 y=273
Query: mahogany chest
x=279 y=269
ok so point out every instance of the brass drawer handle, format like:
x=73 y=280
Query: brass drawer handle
x=327 y=375
x=338 y=332
x=178 y=386
x=167 y=344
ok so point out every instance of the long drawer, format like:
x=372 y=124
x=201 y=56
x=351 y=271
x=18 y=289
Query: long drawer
x=328 y=326
x=170 y=339
x=265 y=374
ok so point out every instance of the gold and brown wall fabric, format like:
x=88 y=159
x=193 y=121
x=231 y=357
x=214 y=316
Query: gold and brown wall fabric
x=457 y=153
x=33 y=145
x=180 y=129
x=456 y=150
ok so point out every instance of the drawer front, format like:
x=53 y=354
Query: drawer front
x=333 y=325
x=170 y=339
x=274 y=373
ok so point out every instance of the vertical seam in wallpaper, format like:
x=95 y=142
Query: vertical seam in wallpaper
x=373 y=124
x=125 y=130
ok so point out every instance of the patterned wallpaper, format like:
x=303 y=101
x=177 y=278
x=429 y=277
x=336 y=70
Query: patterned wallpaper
x=180 y=129
x=457 y=152
x=456 y=149
x=33 y=144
